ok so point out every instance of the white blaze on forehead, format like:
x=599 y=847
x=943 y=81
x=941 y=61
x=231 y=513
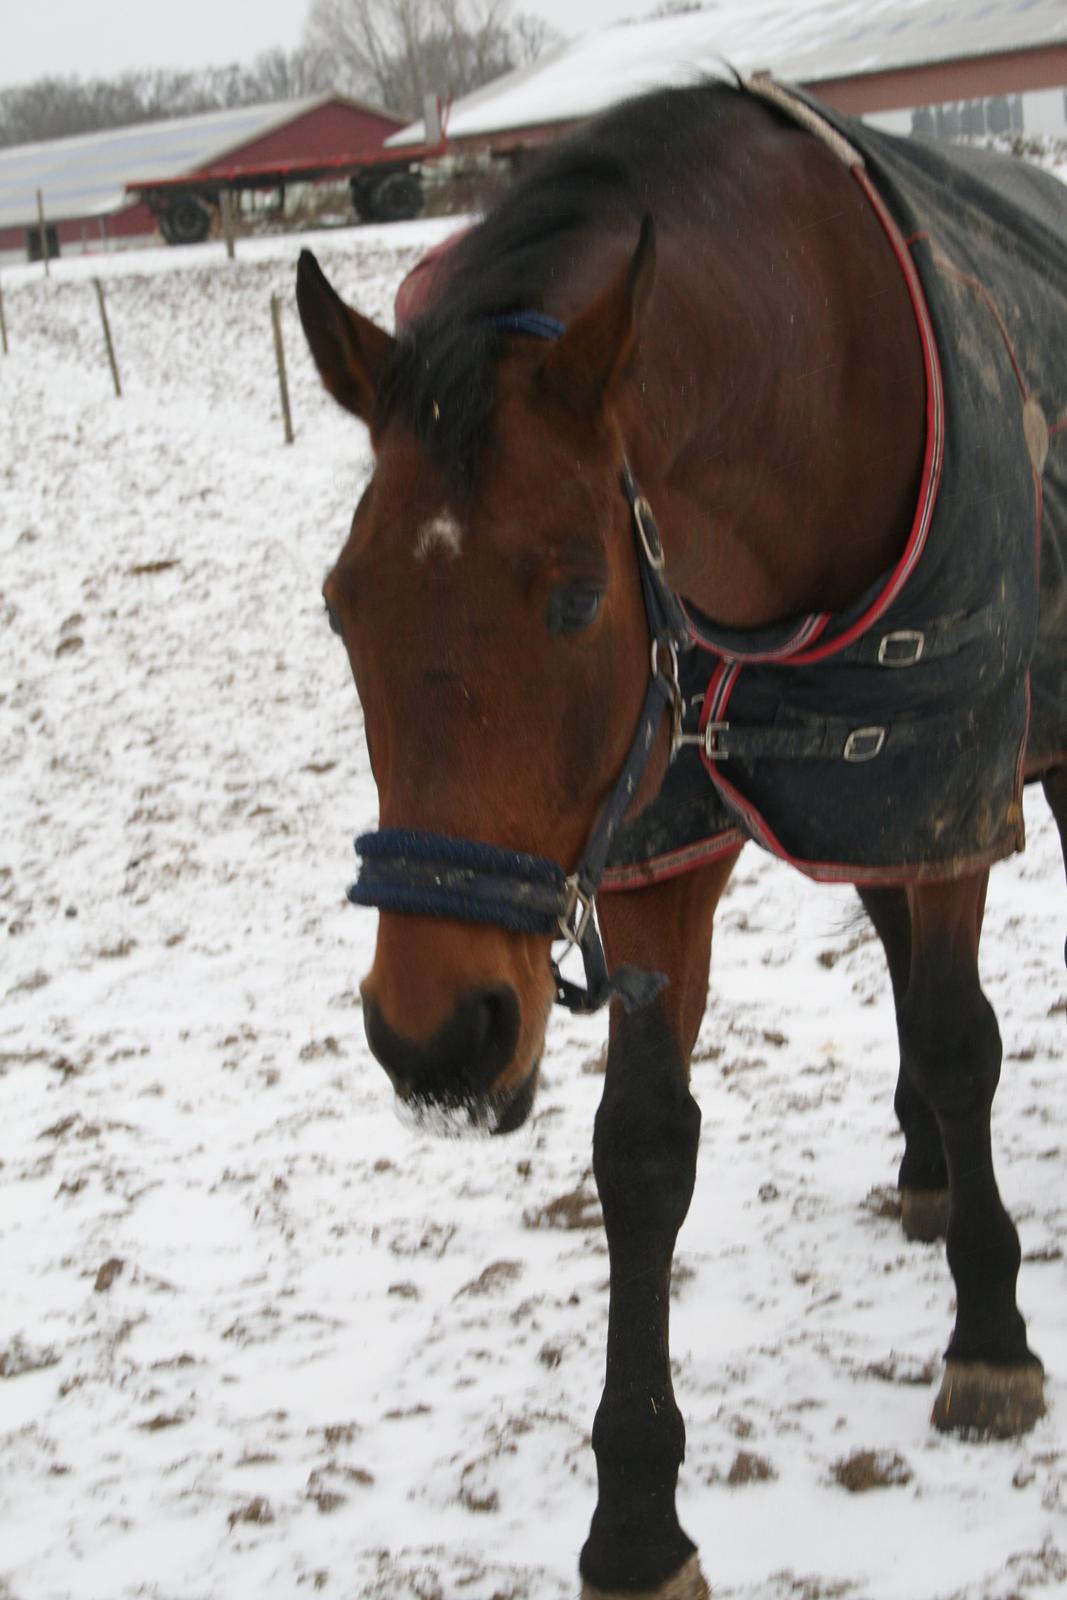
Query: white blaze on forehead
x=441 y=532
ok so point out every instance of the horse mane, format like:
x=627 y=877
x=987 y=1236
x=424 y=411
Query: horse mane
x=608 y=175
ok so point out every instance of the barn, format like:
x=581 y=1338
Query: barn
x=83 y=180
x=933 y=66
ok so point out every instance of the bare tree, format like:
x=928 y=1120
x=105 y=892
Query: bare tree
x=54 y=108
x=396 y=52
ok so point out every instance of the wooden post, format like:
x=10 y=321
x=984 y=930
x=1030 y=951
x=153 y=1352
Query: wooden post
x=279 y=356
x=42 y=233
x=98 y=286
x=3 y=324
x=226 y=207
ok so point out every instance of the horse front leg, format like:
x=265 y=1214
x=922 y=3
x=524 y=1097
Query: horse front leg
x=951 y=1051
x=644 y=1157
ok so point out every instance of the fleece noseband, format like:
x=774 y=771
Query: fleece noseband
x=432 y=874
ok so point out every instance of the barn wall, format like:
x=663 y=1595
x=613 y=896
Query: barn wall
x=85 y=235
x=1006 y=72
x=335 y=129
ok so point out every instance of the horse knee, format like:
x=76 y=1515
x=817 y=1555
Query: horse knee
x=644 y=1158
x=950 y=1046
x=652 y=1433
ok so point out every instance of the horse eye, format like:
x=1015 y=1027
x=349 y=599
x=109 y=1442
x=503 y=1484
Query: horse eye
x=573 y=608
x=333 y=619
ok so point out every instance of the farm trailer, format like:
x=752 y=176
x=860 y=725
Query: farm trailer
x=384 y=188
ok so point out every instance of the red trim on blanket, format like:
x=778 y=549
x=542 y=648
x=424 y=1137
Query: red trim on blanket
x=800 y=649
x=658 y=869
x=935 y=436
x=806 y=632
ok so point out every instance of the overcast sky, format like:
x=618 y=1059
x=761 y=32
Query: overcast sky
x=96 y=38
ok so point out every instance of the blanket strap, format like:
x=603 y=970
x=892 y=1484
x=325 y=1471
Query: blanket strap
x=821 y=739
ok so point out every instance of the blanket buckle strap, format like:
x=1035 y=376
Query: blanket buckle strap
x=902 y=648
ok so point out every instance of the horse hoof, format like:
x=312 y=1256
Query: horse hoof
x=987 y=1402
x=924 y=1214
x=688 y=1583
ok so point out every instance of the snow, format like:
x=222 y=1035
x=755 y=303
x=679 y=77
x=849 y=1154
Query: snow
x=256 y=1336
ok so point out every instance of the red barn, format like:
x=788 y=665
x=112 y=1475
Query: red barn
x=83 y=180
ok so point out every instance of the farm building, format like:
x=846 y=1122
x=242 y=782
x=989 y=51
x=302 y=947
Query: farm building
x=83 y=180
x=935 y=66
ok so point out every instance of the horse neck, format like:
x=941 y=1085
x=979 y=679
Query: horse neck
x=776 y=413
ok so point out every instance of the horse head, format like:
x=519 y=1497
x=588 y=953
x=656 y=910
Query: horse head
x=491 y=607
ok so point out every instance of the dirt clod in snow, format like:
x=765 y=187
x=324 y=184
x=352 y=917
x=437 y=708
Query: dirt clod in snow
x=871 y=1469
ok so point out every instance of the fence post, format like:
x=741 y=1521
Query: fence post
x=98 y=286
x=3 y=324
x=226 y=208
x=279 y=356
x=42 y=233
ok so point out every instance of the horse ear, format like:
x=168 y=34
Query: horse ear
x=350 y=351
x=587 y=365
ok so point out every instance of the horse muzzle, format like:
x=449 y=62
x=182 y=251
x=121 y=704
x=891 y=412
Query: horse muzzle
x=455 y=1082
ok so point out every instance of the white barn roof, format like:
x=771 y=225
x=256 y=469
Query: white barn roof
x=800 y=43
x=86 y=176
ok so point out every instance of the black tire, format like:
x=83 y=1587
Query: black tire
x=395 y=198
x=186 y=220
x=362 y=199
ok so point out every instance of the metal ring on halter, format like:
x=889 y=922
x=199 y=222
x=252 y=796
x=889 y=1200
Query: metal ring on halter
x=672 y=678
x=671 y=648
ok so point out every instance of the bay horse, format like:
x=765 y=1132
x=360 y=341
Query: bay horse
x=678 y=422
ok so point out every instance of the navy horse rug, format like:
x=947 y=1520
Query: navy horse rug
x=891 y=742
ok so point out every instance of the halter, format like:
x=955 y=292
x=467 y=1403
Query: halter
x=432 y=874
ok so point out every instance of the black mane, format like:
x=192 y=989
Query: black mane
x=625 y=164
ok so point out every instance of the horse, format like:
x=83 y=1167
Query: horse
x=694 y=418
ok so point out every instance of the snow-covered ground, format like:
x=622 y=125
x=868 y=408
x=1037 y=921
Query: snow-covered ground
x=256 y=1338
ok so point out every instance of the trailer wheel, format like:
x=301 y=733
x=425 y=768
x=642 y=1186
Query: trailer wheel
x=395 y=198
x=362 y=198
x=186 y=220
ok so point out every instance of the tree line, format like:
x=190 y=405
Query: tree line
x=391 y=53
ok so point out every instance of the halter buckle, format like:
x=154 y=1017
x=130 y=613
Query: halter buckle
x=576 y=897
x=648 y=533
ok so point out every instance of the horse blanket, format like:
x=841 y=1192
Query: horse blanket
x=891 y=742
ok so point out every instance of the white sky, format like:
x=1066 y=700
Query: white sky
x=103 y=37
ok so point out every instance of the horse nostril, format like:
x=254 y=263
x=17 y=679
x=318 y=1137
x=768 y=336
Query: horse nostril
x=496 y=1033
x=464 y=1057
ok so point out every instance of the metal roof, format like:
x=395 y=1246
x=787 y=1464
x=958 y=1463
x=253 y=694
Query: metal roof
x=85 y=176
x=802 y=43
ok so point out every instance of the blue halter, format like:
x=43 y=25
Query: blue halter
x=431 y=874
